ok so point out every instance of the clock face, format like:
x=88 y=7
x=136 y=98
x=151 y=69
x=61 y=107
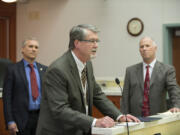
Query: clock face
x=135 y=27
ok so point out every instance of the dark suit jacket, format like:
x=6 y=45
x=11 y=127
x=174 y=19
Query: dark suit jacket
x=16 y=95
x=62 y=108
x=163 y=80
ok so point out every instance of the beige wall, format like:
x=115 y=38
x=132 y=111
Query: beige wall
x=51 y=20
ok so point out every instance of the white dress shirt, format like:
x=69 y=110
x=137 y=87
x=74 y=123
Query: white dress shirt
x=151 y=67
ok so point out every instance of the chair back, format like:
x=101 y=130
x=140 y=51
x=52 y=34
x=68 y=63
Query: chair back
x=3 y=66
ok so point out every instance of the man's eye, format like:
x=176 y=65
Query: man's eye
x=30 y=46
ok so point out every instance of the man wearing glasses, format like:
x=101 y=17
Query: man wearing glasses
x=70 y=90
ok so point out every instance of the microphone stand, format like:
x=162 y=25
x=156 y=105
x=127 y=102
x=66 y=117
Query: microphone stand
x=127 y=125
x=118 y=83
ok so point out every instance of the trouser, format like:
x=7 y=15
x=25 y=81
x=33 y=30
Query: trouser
x=31 y=125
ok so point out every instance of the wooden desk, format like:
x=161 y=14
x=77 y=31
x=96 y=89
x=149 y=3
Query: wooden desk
x=114 y=99
x=168 y=125
x=114 y=96
x=3 y=130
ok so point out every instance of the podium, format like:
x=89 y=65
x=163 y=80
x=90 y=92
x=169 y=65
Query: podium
x=169 y=124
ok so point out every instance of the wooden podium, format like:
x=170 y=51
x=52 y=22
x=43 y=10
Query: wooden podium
x=168 y=125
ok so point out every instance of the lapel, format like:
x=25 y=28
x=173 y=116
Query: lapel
x=89 y=82
x=75 y=73
x=23 y=73
x=140 y=75
x=154 y=73
x=40 y=70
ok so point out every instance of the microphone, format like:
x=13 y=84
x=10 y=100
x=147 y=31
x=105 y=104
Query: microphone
x=118 y=83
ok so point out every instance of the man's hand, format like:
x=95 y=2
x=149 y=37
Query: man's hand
x=12 y=128
x=105 y=122
x=173 y=110
x=130 y=118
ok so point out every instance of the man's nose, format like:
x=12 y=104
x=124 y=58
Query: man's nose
x=34 y=49
x=96 y=44
x=144 y=48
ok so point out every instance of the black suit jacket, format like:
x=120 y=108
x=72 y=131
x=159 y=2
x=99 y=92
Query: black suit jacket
x=16 y=95
x=62 y=108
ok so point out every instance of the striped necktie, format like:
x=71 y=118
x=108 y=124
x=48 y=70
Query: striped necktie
x=83 y=77
x=85 y=93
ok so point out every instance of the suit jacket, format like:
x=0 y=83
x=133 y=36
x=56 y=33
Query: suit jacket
x=63 y=108
x=163 y=80
x=16 y=95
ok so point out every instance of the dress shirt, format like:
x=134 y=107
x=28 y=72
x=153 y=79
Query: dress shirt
x=33 y=105
x=80 y=67
x=151 y=66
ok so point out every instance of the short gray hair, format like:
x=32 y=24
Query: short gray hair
x=28 y=39
x=153 y=41
x=79 y=33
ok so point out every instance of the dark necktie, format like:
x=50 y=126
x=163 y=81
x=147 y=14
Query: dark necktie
x=85 y=93
x=83 y=77
x=145 y=108
x=34 y=85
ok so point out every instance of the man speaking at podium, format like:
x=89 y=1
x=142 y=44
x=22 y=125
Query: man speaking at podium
x=70 y=90
x=147 y=83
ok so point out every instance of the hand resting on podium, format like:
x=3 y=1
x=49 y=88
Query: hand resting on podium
x=107 y=122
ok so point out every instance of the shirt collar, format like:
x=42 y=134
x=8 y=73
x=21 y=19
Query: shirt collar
x=80 y=65
x=26 y=63
x=151 y=64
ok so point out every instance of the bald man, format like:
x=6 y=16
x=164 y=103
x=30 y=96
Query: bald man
x=147 y=84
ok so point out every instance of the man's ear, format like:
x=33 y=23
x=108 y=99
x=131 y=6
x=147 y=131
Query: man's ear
x=156 y=47
x=22 y=50
x=76 y=43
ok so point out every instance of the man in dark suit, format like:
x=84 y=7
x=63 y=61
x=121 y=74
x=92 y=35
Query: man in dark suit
x=144 y=100
x=70 y=90
x=22 y=93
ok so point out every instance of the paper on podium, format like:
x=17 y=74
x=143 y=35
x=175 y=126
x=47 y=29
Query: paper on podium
x=166 y=114
x=129 y=124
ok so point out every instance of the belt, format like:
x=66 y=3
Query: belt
x=34 y=112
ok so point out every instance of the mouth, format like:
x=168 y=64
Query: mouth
x=33 y=55
x=94 y=50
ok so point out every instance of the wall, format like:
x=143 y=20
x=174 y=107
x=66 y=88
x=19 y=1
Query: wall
x=51 y=20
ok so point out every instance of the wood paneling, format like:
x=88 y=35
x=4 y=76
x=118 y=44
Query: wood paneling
x=7 y=44
x=8 y=31
x=3 y=130
x=114 y=99
x=176 y=55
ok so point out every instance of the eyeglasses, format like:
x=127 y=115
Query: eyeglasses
x=91 y=41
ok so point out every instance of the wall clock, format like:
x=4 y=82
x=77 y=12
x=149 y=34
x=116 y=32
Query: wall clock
x=135 y=26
